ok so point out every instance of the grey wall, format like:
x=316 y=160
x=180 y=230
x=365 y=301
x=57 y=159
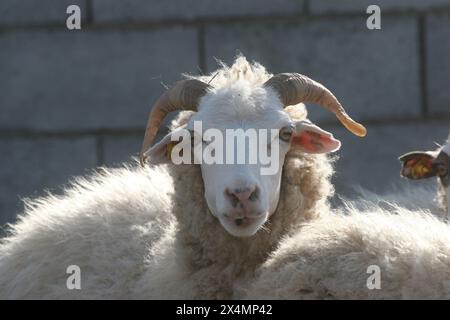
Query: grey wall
x=74 y=100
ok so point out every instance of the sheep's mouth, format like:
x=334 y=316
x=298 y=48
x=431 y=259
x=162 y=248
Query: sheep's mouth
x=242 y=222
x=243 y=226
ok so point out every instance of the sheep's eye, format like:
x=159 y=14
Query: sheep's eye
x=286 y=133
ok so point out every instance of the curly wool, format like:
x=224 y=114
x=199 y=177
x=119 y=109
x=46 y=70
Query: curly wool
x=333 y=258
x=118 y=227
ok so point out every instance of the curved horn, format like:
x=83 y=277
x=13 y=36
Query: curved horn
x=184 y=95
x=294 y=88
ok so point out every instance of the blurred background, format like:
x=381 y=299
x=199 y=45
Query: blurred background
x=71 y=101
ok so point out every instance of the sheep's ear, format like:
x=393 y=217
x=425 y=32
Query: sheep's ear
x=309 y=138
x=161 y=151
x=418 y=165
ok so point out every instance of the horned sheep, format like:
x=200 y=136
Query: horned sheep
x=188 y=231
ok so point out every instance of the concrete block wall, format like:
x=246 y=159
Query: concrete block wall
x=71 y=101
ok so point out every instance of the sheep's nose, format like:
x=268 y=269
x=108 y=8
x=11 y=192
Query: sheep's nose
x=242 y=195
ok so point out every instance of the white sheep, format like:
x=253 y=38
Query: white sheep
x=427 y=164
x=179 y=231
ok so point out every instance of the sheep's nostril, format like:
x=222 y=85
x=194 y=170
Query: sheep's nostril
x=242 y=195
x=254 y=195
x=232 y=197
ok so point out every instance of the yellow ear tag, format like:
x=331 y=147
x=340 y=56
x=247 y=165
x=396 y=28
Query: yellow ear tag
x=420 y=170
x=169 y=148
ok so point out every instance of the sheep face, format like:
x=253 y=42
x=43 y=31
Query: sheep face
x=425 y=164
x=240 y=137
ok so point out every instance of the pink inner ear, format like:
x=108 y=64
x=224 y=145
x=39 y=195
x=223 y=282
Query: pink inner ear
x=315 y=142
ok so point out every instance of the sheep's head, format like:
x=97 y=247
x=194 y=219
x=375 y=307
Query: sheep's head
x=426 y=164
x=231 y=125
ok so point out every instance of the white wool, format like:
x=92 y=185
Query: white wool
x=119 y=227
x=125 y=247
x=254 y=73
x=104 y=225
x=330 y=257
x=446 y=147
